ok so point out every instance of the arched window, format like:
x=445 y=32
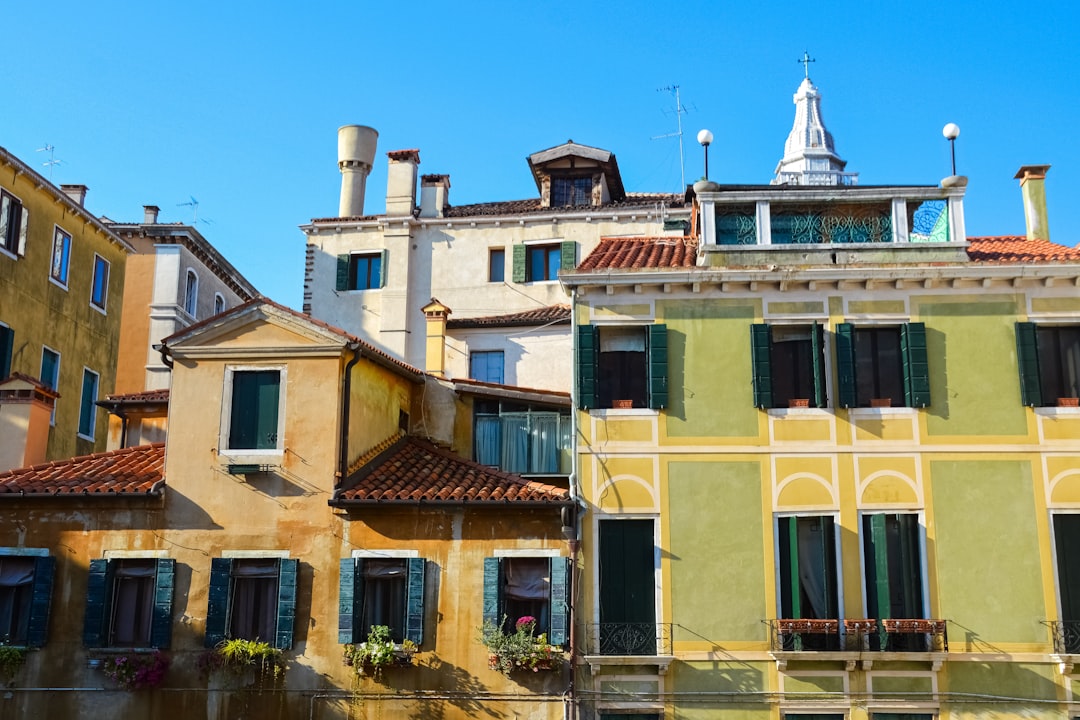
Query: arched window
x=191 y=293
x=219 y=303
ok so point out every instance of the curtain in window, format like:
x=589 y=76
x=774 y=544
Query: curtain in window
x=812 y=545
x=254 y=599
x=16 y=588
x=384 y=596
x=488 y=447
x=515 y=443
x=132 y=606
x=527 y=591
x=545 y=444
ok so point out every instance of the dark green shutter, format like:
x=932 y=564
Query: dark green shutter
x=1027 y=355
x=161 y=622
x=492 y=591
x=567 y=255
x=217 y=606
x=587 y=357
x=877 y=590
x=7 y=343
x=347 y=596
x=254 y=412
x=845 y=364
x=658 y=367
x=817 y=349
x=98 y=584
x=342 y=272
x=916 y=367
x=761 y=363
x=41 y=595
x=518 y=268
x=286 y=602
x=560 y=600
x=380 y=281
x=795 y=588
x=87 y=408
x=414 y=603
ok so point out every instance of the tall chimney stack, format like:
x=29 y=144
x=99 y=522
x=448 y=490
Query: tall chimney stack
x=356 y=153
x=1033 y=187
x=77 y=193
x=434 y=195
x=150 y=214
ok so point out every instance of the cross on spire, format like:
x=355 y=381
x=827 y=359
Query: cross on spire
x=806 y=60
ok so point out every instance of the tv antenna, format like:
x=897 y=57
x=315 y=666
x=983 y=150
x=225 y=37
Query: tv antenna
x=52 y=161
x=679 y=111
x=194 y=205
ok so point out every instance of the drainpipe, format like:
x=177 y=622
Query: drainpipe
x=163 y=349
x=571 y=694
x=343 y=439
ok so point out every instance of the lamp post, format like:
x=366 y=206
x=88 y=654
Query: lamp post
x=952 y=131
x=705 y=138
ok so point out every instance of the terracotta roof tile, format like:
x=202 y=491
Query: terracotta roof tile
x=538 y=316
x=411 y=470
x=641 y=253
x=532 y=205
x=135 y=471
x=1018 y=249
x=146 y=396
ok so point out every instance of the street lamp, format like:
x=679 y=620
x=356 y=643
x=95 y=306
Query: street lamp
x=705 y=138
x=951 y=132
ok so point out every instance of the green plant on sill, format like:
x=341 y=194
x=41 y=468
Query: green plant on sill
x=12 y=658
x=378 y=652
x=522 y=649
x=237 y=656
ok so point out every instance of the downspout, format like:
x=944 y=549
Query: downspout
x=343 y=438
x=164 y=350
x=570 y=704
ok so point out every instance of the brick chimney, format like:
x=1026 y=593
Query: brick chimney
x=150 y=213
x=1033 y=187
x=401 y=182
x=434 y=195
x=435 y=358
x=77 y=193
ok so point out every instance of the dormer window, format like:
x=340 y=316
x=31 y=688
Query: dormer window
x=571 y=191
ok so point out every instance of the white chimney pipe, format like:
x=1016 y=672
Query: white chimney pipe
x=356 y=153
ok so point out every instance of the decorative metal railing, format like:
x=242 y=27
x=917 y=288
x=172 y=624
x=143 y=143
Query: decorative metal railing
x=818 y=177
x=628 y=639
x=891 y=635
x=798 y=225
x=930 y=222
x=1066 y=635
x=736 y=226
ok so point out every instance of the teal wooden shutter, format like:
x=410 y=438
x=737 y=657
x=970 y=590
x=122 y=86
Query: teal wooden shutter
x=342 y=273
x=414 y=602
x=916 y=367
x=217 y=606
x=794 y=587
x=658 y=367
x=161 y=622
x=7 y=344
x=587 y=357
x=286 y=602
x=817 y=349
x=877 y=590
x=560 y=600
x=98 y=585
x=518 y=264
x=348 y=594
x=567 y=255
x=845 y=364
x=492 y=591
x=1027 y=355
x=761 y=364
x=381 y=280
x=40 y=598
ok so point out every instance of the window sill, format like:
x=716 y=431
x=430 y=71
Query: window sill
x=880 y=412
x=62 y=285
x=90 y=438
x=253 y=457
x=798 y=412
x=627 y=412
x=5 y=251
x=1056 y=411
x=100 y=309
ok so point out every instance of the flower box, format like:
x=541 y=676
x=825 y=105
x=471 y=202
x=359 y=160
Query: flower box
x=914 y=626
x=521 y=649
x=808 y=626
x=1068 y=402
x=534 y=664
x=623 y=404
x=379 y=651
x=880 y=402
x=799 y=403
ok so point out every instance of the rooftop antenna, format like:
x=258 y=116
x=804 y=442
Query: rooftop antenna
x=680 y=110
x=52 y=161
x=194 y=205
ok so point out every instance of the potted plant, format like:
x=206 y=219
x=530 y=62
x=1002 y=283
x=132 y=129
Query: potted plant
x=799 y=402
x=250 y=660
x=1068 y=402
x=522 y=649
x=12 y=658
x=136 y=671
x=377 y=652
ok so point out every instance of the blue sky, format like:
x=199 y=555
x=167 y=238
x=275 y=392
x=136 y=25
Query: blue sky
x=238 y=103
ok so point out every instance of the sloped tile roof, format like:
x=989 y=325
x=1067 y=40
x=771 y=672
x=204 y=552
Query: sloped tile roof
x=641 y=253
x=498 y=390
x=411 y=470
x=146 y=396
x=537 y=316
x=1018 y=249
x=130 y=472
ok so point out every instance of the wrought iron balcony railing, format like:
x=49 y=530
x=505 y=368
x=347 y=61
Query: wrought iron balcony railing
x=628 y=639
x=1066 y=635
x=890 y=635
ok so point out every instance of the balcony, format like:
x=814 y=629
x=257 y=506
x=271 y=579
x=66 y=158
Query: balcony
x=860 y=635
x=628 y=644
x=1066 y=636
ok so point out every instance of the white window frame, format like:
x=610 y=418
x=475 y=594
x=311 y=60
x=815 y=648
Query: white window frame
x=93 y=413
x=219 y=302
x=226 y=414
x=103 y=307
x=191 y=293
x=20 y=241
x=60 y=282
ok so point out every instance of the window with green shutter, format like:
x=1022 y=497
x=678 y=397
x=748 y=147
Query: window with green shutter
x=129 y=603
x=539 y=262
x=7 y=345
x=893 y=560
x=882 y=366
x=88 y=406
x=25 y=593
x=622 y=366
x=808 y=579
x=538 y=587
x=254 y=410
x=381 y=591
x=1049 y=360
x=253 y=599
x=361 y=271
x=788 y=365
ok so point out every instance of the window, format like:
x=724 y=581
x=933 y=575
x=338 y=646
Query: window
x=882 y=366
x=486 y=366
x=381 y=591
x=219 y=304
x=808 y=584
x=892 y=558
x=522 y=439
x=901 y=716
x=100 y=291
x=129 y=603
x=534 y=263
x=88 y=408
x=1067 y=546
x=536 y=586
x=621 y=367
x=253 y=599
x=788 y=365
x=191 y=294
x=627 y=591
x=25 y=590
x=1049 y=363
x=254 y=412
x=61 y=256
x=7 y=346
x=50 y=373
x=361 y=271
x=14 y=219
x=496 y=264
x=571 y=191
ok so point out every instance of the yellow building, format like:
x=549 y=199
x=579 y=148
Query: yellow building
x=61 y=286
x=831 y=458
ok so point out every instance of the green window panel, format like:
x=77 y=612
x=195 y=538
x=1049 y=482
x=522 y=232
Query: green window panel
x=568 y=255
x=217 y=610
x=37 y=629
x=518 y=264
x=101 y=595
x=342 y=281
x=558 y=600
x=845 y=364
x=7 y=345
x=760 y=347
x=589 y=377
x=286 y=610
x=916 y=365
x=253 y=421
x=817 y=348
x=893 y=560
x=350 y=597
x=658 y=367
x=587 y=349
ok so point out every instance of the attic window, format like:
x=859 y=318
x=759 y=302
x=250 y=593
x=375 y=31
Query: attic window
x=571 y=191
